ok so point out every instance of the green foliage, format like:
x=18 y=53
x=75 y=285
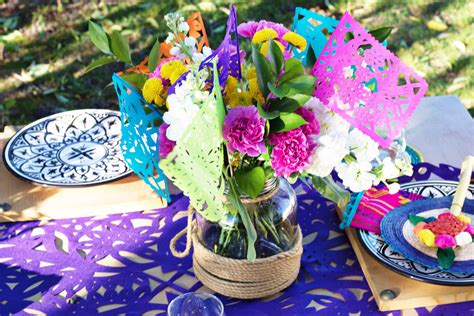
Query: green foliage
x=445 y=257
x=331 y=190
x=120 y=47
x=101 y=61
x=99 y=37
x=286 y=122
x=153 y=58
x=250 y=181
x=275 y=56
x=414 y=219
x=264 y=71
x=136 y=80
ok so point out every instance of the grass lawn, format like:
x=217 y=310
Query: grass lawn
x=44 y=48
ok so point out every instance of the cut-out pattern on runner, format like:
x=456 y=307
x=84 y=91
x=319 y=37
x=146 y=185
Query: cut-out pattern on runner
x=357 y=77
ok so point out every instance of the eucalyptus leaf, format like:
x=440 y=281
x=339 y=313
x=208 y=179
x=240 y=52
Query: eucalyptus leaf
x=275 y=56
x=286 y=122
x=120 y=47
x=99 y=37
x=96 y=63
x=264 y=72
x=153 y=58
x=251 y=181
x=331 y=190
x=445 y=257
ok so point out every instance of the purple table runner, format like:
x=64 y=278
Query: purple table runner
x=121 y=264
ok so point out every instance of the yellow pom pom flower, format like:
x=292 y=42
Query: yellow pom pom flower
x=296 y=40
x=240 y=98
x=264 y=35
x=152 y=89
x=168 y=68
x=464 y=218
x=255 y=90
x=251 y=73
x=231 y=86
x=427 y=237
x=177 y=73
x=266 y=45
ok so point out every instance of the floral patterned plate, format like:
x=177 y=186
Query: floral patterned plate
x=69 y=149
x=381 y=251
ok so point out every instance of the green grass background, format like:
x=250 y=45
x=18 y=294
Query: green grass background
x=44 y=46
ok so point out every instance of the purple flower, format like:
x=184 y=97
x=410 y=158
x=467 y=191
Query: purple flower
x=291 y=152
x=243 y=130
x=248 y=29
x=166 y=145
x=445 y=241
x=312 y=128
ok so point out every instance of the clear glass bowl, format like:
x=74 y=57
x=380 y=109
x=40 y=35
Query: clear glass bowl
x=196 y=304
x=273 y=213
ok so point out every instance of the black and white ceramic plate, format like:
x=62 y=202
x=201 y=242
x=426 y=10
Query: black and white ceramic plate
x=75 y=148
x=380 y=250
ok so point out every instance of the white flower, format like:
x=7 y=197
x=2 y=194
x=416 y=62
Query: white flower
x=389 y=169
x=170 y=38
x=405 y=166
x=177 y=52
x=189 y=41
x=393 y=188
x=330 y=151
x=362 y=146
x=198 y=57
x=356 y=175
x=463 y=239
x=183 y=27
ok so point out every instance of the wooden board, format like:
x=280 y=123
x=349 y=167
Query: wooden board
x=32 y=202
x=410 y=293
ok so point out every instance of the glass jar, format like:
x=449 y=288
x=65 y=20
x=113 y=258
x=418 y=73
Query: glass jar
x=273 y=214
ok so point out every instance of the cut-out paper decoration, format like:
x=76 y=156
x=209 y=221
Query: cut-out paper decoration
x=140 y=123
x=365 y=83
x=196 y=162
x=228 y=52
x=315 y=29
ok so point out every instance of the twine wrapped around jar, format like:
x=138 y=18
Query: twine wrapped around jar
x=239 y=278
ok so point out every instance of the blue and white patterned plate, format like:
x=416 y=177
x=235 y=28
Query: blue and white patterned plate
x=69 y=149
x=381 y=251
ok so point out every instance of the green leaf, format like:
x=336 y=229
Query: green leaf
x=414 y=219
x=301 y=98
x=154 y=56
x=233 y=196
x=278 y=91
x=293 y=68
x=136 y=80
x=96 y=63
x=120 y=47
x=310 y=58
x=275 y=56
x=382 y=33
x=251 y=181
x=331 y=190
x=219 y=100
x=303 y=84
x=283 y=105
x=445 y=257
x=286 y=122
x=264 y=72
x=99 y=37
x=267 y=115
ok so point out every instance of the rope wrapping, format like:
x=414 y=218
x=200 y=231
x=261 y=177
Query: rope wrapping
x=239 y=278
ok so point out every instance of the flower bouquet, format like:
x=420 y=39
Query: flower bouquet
x=234 y=128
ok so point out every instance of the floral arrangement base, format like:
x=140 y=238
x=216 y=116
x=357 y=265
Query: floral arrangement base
x=246 y=279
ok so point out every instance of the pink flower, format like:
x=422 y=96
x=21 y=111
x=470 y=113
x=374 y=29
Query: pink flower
x=445 y=241
x=291 y=152
x=312 y=128
x=248 y=29
x=470 y=229
x=446 y=214
x=243 y=129
x=166 y=145
x=157 y=72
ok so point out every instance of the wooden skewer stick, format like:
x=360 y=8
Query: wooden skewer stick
x=464 y=181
